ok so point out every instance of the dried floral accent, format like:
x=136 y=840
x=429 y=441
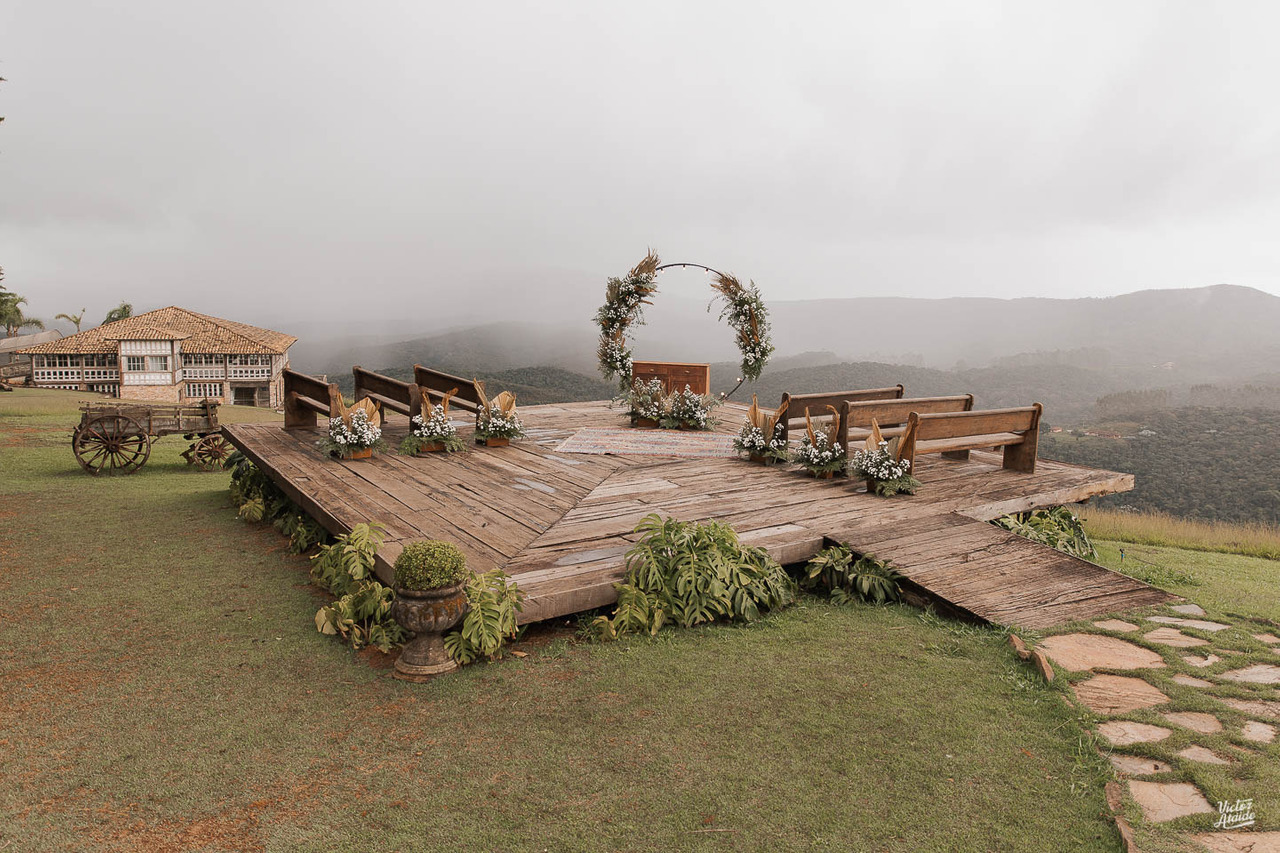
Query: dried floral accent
x=624 y=302
x=820 y=451
x=427 y=405
x=647 y=399
x=881 y=462
x=761 y=435
x=497 y=418
x=623 y=307
x=372 y=411
x=746 y=313
x=433 y=427
x=358 y=427
x=688 y=409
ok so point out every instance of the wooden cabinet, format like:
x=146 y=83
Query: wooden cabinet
x=675 y=375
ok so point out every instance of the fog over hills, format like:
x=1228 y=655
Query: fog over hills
x=1208 y=334
x=1065 y=353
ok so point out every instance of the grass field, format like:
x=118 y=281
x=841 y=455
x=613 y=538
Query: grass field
x=1144 y=528
x=162 y=687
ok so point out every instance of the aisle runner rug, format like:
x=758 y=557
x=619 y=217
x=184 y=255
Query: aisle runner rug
x=648 y=442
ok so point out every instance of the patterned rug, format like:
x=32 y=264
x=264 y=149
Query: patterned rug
x=648 y=442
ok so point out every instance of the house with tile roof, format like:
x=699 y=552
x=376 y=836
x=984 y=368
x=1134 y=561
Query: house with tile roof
x=170 y=355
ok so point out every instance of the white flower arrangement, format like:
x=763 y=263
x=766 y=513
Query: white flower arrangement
x=690 y=410
x=625 y=299
x=354 y=432
x=615 y=360
x=647 y=399
x=437 y=429
x=890 y=475
x=746 y=313
x=818 y=454
x=751 y=440
x=494 y=423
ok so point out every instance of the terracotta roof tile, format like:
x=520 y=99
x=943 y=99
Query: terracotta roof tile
x=199 y=333
x=147 y=333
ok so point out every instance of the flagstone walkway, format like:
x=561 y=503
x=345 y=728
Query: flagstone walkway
x=1197 y=752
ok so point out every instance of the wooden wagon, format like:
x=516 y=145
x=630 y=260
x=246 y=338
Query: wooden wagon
x=116 y=437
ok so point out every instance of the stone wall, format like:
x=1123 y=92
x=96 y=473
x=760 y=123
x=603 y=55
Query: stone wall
x=150 y=393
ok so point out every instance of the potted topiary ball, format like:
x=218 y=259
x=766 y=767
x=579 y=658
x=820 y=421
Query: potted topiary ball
x=430 y=599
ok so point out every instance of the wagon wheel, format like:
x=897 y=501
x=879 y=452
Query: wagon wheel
x=209 y=452
x=111 y=443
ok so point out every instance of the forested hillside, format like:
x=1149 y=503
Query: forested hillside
x=531 y=385
x=1067 y=392
x=1217 y=464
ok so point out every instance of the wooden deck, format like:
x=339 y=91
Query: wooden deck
x=560 y=523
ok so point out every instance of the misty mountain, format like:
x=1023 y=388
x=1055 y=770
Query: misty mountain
x=1153 y=338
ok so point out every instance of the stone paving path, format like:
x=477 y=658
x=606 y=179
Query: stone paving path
x=1187 y=703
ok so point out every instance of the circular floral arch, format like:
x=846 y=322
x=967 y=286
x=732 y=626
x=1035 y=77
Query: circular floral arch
x=624 y=302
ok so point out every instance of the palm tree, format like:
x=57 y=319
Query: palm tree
x=11 y=315
x=72 y=318
x=120 y=312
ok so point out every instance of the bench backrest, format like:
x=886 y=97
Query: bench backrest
x=858 y=414
x=439 y=384
x=305 y=397
x=982 y=422
x=817 y=404
x=393 y=394
x=675 y=375
x=955 y=434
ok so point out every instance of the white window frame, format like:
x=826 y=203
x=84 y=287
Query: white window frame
x=202 y=390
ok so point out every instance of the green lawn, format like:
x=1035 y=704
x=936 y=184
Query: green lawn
x=162 y=687
x=1230 y=584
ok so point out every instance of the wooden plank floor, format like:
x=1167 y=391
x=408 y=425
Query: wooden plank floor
x=561 y=523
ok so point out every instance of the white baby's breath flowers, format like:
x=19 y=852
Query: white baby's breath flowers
x=819 y=454
x=359 y=435
x=879 y=464
x=435 y=428
x=494 y=424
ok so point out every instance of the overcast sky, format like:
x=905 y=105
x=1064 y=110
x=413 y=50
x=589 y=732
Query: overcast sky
x=432 y=158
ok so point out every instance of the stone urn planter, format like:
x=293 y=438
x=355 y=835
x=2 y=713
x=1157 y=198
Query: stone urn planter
x=431 y=598
x=428 y=613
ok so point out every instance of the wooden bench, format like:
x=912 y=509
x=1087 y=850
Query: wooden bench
x=892 y=415
x=674 y=375
x=816 y=404
x=439 y=384
x=305 y=397
x=402 y=397
x=954 y=434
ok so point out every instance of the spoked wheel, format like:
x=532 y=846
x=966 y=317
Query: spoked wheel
x=209 y=452
x=112 y=443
